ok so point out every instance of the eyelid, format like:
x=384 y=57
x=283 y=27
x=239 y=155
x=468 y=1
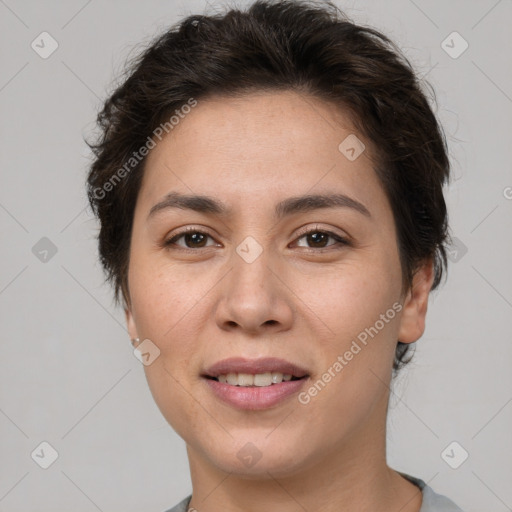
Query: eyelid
x=317 y=227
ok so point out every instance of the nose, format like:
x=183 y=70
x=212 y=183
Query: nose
x=254 y=298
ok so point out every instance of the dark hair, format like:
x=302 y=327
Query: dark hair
x=281 y=45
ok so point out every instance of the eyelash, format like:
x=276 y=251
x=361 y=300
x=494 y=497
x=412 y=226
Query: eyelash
x=169 y=243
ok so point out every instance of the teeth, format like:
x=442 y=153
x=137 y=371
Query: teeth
x=259 y=380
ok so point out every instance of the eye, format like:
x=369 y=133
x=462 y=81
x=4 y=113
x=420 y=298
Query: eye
x=193 y=239
x=319 y=239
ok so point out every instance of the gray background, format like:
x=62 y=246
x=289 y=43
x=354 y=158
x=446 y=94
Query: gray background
x=68 y=375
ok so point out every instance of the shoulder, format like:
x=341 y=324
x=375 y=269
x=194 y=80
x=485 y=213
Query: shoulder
x=432 y=502
x=182 y=506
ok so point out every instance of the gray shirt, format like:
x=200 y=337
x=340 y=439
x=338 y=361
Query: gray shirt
x=432 y=502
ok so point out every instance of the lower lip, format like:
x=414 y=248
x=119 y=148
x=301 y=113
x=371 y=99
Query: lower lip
x=255 y=398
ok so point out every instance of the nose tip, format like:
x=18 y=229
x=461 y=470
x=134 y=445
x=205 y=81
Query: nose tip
x=253 y=299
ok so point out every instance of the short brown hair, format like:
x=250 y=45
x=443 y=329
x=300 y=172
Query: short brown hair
x=279 y=45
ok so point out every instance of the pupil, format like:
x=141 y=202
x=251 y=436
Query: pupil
x=316 y=236
x=195 y=237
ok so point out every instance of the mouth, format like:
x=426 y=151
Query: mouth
x=255 y=380
x=263 y=372
x=255 y=384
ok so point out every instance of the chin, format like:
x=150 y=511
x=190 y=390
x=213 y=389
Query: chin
x=252 y=461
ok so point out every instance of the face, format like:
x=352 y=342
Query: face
x=264 y=274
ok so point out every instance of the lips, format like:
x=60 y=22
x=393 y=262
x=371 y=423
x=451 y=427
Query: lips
x=255 y=366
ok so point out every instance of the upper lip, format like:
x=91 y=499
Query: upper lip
x=254 y=366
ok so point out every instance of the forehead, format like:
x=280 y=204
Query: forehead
x=263 y=143
x=284 y=120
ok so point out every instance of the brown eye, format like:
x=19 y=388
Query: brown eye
x=193 y=239
x=317 y=239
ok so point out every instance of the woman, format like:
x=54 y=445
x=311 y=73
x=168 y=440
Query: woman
x=269 y=187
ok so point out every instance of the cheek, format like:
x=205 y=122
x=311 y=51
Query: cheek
x=360 y=304
x=162 y=297
x=349 y=297
x=356 y=357
x=164 y=305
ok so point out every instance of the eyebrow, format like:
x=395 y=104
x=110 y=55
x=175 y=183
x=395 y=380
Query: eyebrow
x=287 y=207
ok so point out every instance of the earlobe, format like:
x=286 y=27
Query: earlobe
x=130 y=324
x=412 y=321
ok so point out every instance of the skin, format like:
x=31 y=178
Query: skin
x=298 y=300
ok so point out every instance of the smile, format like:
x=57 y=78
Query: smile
x=258 y=380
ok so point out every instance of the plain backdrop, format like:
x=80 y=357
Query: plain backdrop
x=68 y=376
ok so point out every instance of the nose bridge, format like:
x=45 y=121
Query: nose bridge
x=252 y=266
x=253 y=296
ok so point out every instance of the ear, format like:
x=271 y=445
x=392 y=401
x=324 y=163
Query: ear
x=412 y=321
x=130 y=323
